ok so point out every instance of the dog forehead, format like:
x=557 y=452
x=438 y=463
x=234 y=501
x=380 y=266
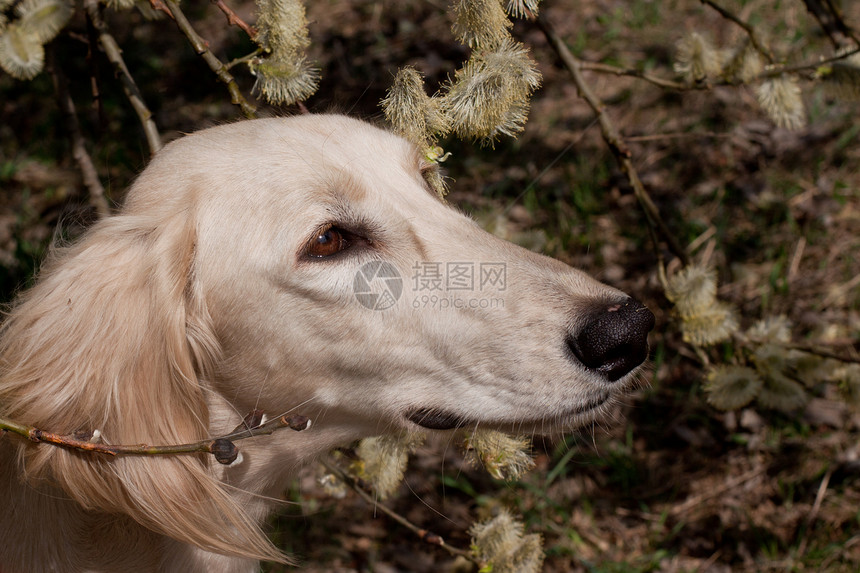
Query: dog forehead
x=290 y=147
x=277 y=163
x=311 y=138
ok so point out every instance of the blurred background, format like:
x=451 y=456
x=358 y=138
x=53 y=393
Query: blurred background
x=669 y=482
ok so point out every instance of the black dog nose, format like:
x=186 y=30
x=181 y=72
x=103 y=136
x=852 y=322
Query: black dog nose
x=615 y=340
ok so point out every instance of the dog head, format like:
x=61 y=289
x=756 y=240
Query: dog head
x=296 y=264
x=335 y=277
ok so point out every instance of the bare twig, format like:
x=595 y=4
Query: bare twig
x=839 y=553
x=756 y=42
x=222 y=447
x=114 y=54
x=772 y=71
x=423 y=534
x=232 y=63
x=812 y=66
x=692 y=502
x=657 y=81
x=813 y=513
x=829 y=18
x=202 y=48
x=233 y=19
x=815 y=349
x=613 y=139
x=79 y=147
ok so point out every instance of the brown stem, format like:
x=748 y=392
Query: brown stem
x=830 y=19
x=657 y=81
x=233 y=19
x=772 y=71
x=79 y=146
x=423 y=534
x=813 y=348
x=243 y=59
x=813 y=513
x=759 y=45
x=114 y=54
x=613 y=139
x=780 y=70
x=295 y=422
x=201 y=47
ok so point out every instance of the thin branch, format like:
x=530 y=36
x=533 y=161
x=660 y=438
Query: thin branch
x=836 y=12
x=813 y=513
x=812 y=66
x=114 y=54
x=233 y=19
x=222 y=447
x=657 y=81
x=202 y=48
x=815 y=349
x=759 y=45
x=731 y=484
x=831 y=22
x=79 y=146
x=680 y=135
x=159 y=6
x=232 y=63
x=824 y=22
x=772 y=71
x=613 y=139
x=423 y=534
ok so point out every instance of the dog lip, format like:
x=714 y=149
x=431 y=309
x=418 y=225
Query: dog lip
x=591 y=405
x=436 y=419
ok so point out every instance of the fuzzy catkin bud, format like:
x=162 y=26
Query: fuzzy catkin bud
x=501 y=543
x=490 y=94
x=696 y=59
x=283 y=76
x=710 y=325
x=44 y=18
x=779 y=391
x=282 y=26
x=481 y=23
x=285 y=81
x=692 y=289
x=21 y=53
x=383 y=460
x=781 y=99
x=522 y=8
x=771 y=329
x=120 y=4
x=705 y=320
x=732 y=387
x=411 y=112
x=505 y=457
x=743 y=64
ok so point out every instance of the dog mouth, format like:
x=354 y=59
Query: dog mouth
x=440 y=419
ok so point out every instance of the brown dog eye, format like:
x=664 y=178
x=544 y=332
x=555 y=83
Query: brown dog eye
x=327 y=242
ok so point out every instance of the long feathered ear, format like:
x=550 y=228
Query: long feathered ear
x=112 y=338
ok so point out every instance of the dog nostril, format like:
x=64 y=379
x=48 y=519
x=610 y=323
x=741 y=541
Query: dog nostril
x=615 y=341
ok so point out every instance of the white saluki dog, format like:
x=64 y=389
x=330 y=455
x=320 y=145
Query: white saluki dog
x=286 y=265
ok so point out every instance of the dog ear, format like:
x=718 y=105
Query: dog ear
x=112 y=338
